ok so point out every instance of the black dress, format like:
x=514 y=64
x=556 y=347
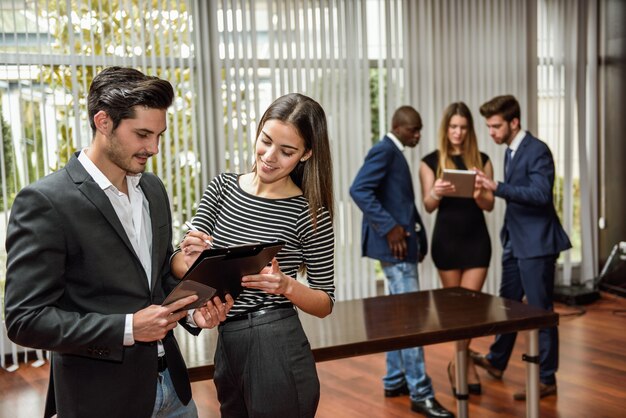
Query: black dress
x=460 y=238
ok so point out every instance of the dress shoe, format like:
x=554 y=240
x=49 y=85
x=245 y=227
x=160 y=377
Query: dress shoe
x=431 y=408
x=392 y=393
x=472 y=388
x=481 y=361
x=544 y=390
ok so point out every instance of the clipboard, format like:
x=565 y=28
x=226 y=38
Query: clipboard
x=218 y=271
x=463 y=181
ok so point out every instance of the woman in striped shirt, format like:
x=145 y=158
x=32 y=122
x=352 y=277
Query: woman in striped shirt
x=263 y=362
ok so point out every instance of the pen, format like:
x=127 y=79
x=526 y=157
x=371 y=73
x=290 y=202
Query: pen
x=190 y=227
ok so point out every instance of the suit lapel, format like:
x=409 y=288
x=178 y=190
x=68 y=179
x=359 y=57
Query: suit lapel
x=152 y=194
x=96 y=195
x=404 y=162
x=519 y=154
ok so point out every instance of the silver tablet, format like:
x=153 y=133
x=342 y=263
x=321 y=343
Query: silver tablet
x=463 y=181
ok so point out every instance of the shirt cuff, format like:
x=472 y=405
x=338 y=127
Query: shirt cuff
x=128 y=331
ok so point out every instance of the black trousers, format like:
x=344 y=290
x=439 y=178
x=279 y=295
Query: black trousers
x=264 y=368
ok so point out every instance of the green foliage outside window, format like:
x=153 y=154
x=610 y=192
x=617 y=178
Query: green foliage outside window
x=575 y=233
x=7 y=177
x=237 y=115
x=374 y=104
x=131 y=29
x=151 y=35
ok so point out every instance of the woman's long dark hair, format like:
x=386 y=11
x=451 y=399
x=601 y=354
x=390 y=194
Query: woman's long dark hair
x=315 y=175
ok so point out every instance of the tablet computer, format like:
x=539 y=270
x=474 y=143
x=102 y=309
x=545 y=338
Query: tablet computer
x=463 y=181
x=218 y=271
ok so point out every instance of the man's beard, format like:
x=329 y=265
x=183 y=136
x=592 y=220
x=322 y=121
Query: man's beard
x=116 y=155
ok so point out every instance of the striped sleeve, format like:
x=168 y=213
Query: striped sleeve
x=318 y=249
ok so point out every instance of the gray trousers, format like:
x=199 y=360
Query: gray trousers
x=264 y=367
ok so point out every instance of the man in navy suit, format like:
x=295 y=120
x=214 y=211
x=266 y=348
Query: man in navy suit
x=532 y=236
x=393 y=233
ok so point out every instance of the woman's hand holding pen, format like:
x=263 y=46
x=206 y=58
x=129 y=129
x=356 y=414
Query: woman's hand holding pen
x=270 y=280
x=194 y=243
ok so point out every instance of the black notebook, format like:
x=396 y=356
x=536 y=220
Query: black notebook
x=218 y=271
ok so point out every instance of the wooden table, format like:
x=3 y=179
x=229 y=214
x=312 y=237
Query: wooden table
x=392 y=322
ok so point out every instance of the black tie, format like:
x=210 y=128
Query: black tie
x=507 y=160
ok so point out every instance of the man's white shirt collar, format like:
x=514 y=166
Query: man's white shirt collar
x=396 y=141
x=99 y=177
x=517 y=141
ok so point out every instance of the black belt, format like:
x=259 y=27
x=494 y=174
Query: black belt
x=162 y=364
x=258 y=312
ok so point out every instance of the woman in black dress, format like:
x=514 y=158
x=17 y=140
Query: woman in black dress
x=461 y=248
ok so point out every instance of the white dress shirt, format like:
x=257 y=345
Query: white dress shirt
x=133 y=211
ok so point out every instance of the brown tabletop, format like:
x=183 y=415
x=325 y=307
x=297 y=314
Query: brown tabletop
x=384 y=323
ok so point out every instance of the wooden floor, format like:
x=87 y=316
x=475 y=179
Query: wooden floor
x=591 y=378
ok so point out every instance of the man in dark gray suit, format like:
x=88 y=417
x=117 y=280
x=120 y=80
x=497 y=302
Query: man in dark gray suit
x=88 y=265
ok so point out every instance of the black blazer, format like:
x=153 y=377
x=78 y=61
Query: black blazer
x=72 y=276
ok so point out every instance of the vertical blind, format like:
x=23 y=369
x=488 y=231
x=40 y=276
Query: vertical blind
x=49 y=56
x=469 y=51
x=316 y=47
x=567 y=79
x=361 y=59
x=49 y=52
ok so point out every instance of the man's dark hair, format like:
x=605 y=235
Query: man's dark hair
x=507 y=106
x=405 y=115
x=117 y=90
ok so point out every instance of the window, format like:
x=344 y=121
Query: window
x=49 y=55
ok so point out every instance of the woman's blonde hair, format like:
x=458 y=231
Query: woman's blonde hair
x=469 y=147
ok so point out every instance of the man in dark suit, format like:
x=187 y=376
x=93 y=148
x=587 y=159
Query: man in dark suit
x=532 y=236
x=393 y=233
x=88 y=251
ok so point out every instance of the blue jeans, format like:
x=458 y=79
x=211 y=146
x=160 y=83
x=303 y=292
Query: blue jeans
x=406 y=366
x=167 y=404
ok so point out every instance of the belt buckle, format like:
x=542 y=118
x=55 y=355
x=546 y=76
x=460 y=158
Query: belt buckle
x=258 y=313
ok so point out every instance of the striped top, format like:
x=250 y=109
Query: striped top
x=234 y=217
